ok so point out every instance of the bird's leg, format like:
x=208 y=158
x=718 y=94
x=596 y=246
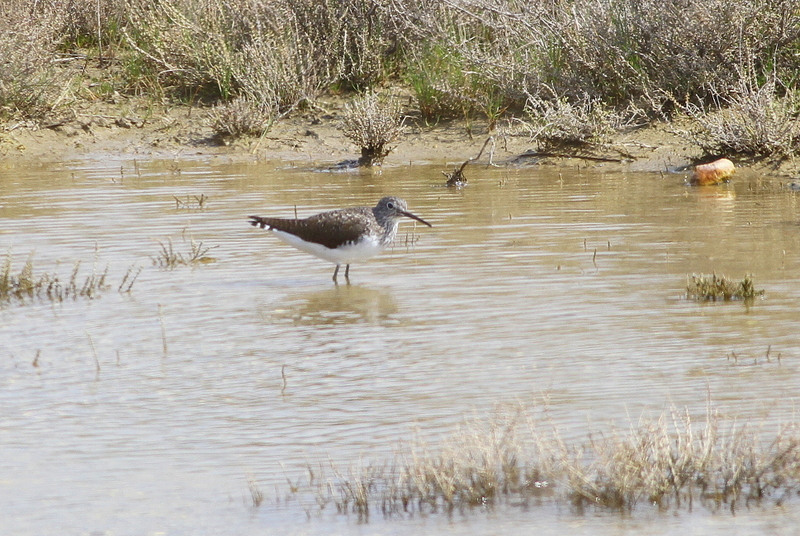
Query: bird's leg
x=335 y=273
x=347 y=274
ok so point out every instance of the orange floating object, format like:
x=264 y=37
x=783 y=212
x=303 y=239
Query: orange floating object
x=713 y=173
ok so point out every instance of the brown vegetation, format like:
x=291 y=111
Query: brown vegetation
x=714 y=288
x=573 y=72
x=168 y=258
x=672 y=462
x=27 y=286
x=372 y=123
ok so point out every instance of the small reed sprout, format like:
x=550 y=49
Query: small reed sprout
x=191 y=202
x=720 y=288
x=372 y=122
x=672 y=462
x=256 y=495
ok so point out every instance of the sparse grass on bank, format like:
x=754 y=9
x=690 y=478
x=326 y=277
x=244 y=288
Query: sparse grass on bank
x=671 y=463
x=463 y=58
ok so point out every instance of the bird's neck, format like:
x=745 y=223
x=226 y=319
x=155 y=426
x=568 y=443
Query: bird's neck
x=389 y=232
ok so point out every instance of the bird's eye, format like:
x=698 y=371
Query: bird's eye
x=390 y=204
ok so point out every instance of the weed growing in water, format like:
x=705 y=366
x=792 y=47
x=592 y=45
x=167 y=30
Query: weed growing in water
x=720 y=288
x=191 y=202
x=27 y=286
x=168 y=258
x=372 y=122
x=255 y=492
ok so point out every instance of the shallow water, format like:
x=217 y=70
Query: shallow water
x=534 y=283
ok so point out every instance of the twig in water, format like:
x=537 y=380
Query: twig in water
x=163 y=331
x=94 y=352
x=457 y=177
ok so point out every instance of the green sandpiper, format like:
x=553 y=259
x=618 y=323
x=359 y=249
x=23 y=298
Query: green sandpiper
x=342 y=236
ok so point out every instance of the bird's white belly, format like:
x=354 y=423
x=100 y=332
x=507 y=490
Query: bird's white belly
x=362 y=250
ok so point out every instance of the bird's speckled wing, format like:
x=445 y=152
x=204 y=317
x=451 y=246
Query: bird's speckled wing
x=330 y=229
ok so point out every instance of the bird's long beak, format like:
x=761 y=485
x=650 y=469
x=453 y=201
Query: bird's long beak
x=414 y=217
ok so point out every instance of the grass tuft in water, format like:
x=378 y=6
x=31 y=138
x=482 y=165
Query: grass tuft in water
x=672 y=462
x=255 y=492
x=168 y=258
x=27 y=286
x=720 y=288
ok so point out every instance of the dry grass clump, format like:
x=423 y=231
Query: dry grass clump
x=757 y=120
x=26 y=286
x=241 y=117
x=372 y=122
x=672 y=462
x=676 y=462
x=168 y=258
x=720 y=288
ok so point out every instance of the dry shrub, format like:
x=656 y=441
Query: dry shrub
x=40 y=42
x=750 y=119
x=284 y=51
x=372 y=122
x=180 y=47
x=557 y=122
x=241 y=117
x=461 y=57
x=31 y=82
x=620 y=52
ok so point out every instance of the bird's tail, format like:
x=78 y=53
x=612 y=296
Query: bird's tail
x=258 y=221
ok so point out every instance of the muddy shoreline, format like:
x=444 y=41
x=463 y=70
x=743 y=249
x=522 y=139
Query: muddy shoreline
x=138 y=129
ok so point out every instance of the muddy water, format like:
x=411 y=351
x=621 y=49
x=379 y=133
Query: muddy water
x=148 y=412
